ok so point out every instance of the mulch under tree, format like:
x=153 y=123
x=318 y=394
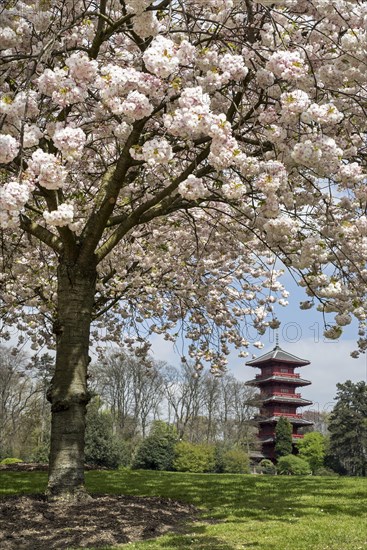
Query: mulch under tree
x=30 y=522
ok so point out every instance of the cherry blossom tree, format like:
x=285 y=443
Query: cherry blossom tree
x=156 y=158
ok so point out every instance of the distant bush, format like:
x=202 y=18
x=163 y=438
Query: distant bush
x=102 y=447
x=156 y=452
x=40 y=454
x=236 y=461
x=293 y=465
x=196 y=458
x=266 y=466
x=11 y=461
x=219 y=451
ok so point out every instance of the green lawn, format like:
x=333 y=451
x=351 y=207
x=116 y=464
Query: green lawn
x=252 y=512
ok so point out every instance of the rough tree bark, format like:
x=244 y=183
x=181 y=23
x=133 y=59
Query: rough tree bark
x=68 y=392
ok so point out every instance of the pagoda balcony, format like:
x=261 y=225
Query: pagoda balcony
x=294 y=418
x=276 y=373
x=285 y=398
x=269 y=438
x=294 y=379
x=280 y=394
x=292 y=415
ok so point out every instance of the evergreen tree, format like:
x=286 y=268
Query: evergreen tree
x=348 y=428
x=283 y=437
x=157 y=451
x=102 y=448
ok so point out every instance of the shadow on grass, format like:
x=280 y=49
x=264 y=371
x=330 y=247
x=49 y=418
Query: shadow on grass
x=22 y=483
x=255 y=497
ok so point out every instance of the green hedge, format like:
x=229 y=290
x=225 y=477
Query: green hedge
x=236 y=461
x=293 y=465
x=194 y=458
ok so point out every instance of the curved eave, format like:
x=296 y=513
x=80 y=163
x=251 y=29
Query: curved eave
x=271 y=439
x=295 y=421
x=298 y=401
x=278 y=355
x=293 y=381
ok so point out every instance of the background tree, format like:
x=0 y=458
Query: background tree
x=283 y=437
x=157 y=451
x=183 y=390
x=41 y=369
x=102 y=447
x=131 y=391
x=312 y=448
x=16 y=394
x=348 y=428
x=156 y=158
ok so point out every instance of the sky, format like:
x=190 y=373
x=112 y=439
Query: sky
x=301 y=333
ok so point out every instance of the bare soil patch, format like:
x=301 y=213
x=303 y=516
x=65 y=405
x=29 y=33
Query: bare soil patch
x=30 y=522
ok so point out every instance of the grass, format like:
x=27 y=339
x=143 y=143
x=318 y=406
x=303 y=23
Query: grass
x=250 y=512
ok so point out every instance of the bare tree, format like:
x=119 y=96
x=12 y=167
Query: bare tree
x=16 y=391
x=183 y=392
x=130 y=390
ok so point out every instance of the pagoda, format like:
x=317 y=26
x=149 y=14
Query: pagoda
x=277 y=383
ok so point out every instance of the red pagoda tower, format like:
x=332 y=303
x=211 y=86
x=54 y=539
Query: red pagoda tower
x=277 y=383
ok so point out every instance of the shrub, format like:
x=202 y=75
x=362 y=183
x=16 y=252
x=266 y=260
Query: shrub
x=194 y=458
x=102 y=447
x=312 y=449
x=219 y=451
x=236 y=461
x=266 y=466
x=11 y=461
x=156 y=452
x=293 y=465
x=41 y=454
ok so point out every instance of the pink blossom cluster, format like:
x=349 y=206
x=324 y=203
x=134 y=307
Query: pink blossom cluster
x=154 y=151
x=13 y=197
x=8 y=148
x=70 y=141
x=146 y=24
x=288 y=65
x=161 y=57
x=60 y=217
x=326 y=113
x=192 y=188
x=294 y=102
x=19 y=106
x=61 y=88
x=46 y=170
x=31 y=136
x=192 y=116
x=135 y=107
x=320 y=152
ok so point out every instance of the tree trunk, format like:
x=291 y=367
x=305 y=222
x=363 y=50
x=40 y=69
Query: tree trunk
x=68 y=393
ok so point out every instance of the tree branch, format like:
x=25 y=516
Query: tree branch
x=41 y=233
x=135 y=217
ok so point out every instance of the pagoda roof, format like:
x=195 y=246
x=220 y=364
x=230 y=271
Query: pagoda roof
x=263 y=381
x=297 y=420
x=278 y=354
